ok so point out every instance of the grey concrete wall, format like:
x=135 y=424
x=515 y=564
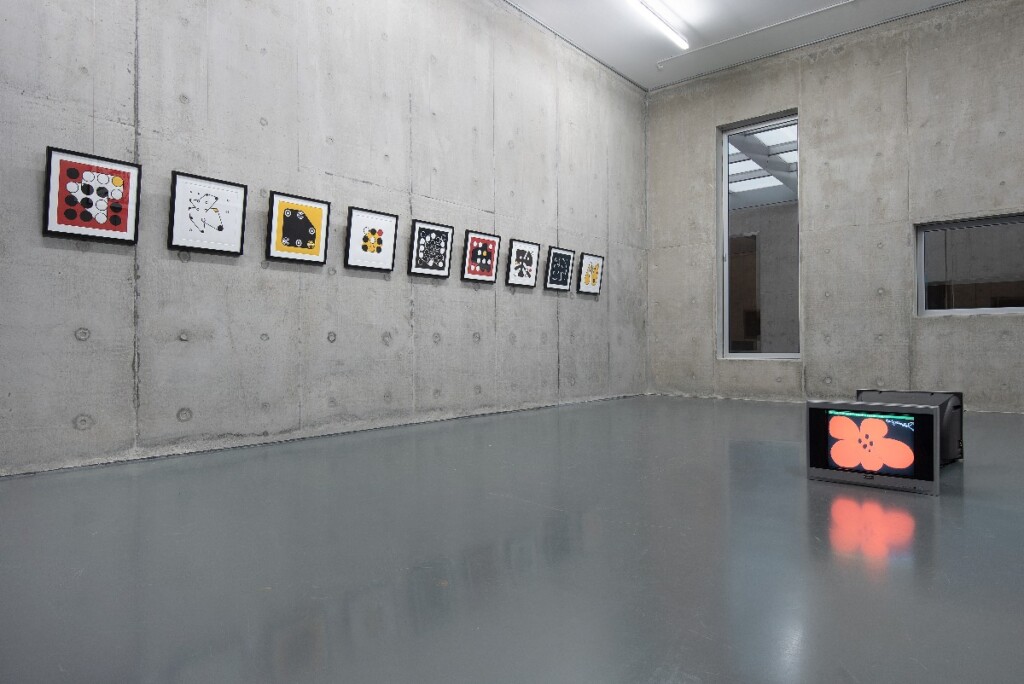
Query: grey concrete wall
x=913 y=121
x=453 y=111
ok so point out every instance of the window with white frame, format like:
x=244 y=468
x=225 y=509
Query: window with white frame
x=971 y=266
x=761 y=240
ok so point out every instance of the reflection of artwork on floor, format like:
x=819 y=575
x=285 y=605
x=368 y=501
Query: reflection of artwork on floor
x=206 y=214
x=91 y=196
x=298 y=228
x=431 y=249
x=559 y=268
x=371 y=239
x=591 y=274
x=523 y=260
x=481 y=257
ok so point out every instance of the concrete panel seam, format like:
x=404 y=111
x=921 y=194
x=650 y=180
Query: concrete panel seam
x=136 y=352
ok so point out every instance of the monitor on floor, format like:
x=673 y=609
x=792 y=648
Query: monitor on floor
x=895 y=446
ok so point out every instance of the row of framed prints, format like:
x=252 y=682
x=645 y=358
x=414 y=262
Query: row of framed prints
x=95 y=197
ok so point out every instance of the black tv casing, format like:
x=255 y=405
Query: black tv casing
x=905 y=484
x=951 y=415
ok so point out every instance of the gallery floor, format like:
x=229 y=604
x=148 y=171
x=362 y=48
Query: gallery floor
x=655 y=540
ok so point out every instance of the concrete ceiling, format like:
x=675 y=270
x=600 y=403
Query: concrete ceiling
x=721 y=33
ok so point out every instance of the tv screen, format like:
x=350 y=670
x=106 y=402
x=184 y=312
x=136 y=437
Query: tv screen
x=883 y=445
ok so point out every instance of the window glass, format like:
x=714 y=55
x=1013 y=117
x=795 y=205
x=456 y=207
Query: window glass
x=977 y=264
x=762 y=277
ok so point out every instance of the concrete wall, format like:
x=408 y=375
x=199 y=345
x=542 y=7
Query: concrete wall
x=454 y=111
x=914 y=121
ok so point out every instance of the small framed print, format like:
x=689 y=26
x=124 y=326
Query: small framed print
x=207 y=215
x=297 y=228
x=559 y=268
x=371 y=240
x=91 y=197
x=591 y=274
x=480 y=257
x=523 y=262
x=430 y=252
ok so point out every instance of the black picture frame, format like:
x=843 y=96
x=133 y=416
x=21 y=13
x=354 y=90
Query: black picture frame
x=580 y=274
x=272 y=254
x=558 y=287
x=172 y=243
x=418 y=225
x=60 y=211
x=392 y=219
x=517 y=281
x=469 y=277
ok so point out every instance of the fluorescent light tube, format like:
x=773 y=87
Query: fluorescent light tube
x=658 y=21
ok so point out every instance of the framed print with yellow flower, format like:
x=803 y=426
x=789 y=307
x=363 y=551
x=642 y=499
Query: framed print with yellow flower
x=297 y=228
x=591 y=274
x=371 y=240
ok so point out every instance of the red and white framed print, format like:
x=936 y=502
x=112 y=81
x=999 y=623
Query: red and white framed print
x=480 y=257
x=91 y=197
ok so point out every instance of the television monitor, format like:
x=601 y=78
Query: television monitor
x=951 y=415
x=894 y=446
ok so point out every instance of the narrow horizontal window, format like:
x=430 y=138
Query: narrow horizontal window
x=971 y=265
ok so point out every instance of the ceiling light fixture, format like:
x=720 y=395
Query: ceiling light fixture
x=658 y=20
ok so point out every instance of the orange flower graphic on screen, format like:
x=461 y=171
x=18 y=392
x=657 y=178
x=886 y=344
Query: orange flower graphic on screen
x=866 y=445
x=869 y=529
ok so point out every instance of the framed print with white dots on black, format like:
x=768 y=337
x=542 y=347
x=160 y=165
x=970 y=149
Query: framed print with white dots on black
x=207 y=215
x=91 y=197
x=371 y=240
x=430 y=251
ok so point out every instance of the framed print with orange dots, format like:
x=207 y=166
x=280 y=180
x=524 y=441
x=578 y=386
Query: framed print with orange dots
x=297 y=228
x=371 y=240
x=91 y=197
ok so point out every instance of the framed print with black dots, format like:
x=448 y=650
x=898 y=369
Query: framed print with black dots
x=523 y=263
x=297 y=228
x=207 y=215
x=430 y=251
x=588 y=281
x=559 y=268
x=480 y=257
x=371 y=240
x=91 y=197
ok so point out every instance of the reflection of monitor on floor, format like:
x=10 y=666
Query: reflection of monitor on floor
x=951 y=415
x=891 y=445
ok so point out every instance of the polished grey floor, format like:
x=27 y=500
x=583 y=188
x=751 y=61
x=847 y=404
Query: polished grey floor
x=640 y=540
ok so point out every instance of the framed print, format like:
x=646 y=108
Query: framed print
x=523 y=261
x=591 y=274
x=559 y=268
x=91 y=197
x=371 y=240
x=480 y=257
x=207 y=215
x=297 y=228
x=430 y=252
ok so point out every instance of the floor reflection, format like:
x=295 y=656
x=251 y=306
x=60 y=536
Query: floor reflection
x=870 y=531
